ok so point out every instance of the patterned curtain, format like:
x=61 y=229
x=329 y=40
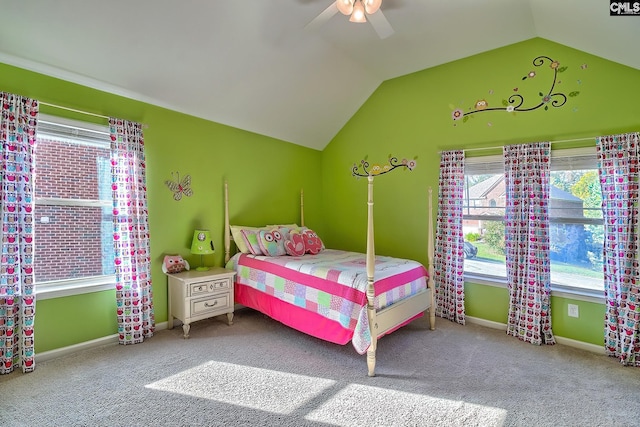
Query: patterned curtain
x=449 y=247
x=18 y=122
x=618 y=163
x=134 y=299
x=527 y=171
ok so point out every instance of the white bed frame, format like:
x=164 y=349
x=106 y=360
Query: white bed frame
x=382 y=321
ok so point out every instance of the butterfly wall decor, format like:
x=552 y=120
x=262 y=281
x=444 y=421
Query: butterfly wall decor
x=178 y=187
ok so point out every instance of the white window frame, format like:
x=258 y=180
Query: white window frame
x=81 y=133
x=489 y=165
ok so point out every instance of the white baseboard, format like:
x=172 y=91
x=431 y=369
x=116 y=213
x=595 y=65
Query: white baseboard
x=560 y=340
x=64 y=351
x=581 y=345
x=487 y=323
x=112 y=339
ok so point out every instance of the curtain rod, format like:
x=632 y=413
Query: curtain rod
x=551 y=142
x=144 y=126
x=73 y=110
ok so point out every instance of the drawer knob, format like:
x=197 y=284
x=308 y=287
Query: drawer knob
x=206 y=304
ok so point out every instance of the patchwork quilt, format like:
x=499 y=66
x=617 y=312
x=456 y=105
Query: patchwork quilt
x=324 y=295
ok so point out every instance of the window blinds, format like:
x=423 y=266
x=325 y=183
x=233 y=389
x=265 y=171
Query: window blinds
x=568 y=159
x=72 y=131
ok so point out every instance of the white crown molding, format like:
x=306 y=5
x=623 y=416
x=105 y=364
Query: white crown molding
x=68 y=76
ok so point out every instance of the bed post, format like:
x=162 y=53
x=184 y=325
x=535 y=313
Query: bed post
x=227 y=230
x=431 y=282
x=302 y=207
x=371 y=309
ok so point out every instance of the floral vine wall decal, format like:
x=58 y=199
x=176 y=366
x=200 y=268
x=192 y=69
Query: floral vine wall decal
x=515 y=102
x=364 y=169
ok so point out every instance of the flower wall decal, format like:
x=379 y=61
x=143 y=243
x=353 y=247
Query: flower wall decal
x=365 y=169
x=516 y=102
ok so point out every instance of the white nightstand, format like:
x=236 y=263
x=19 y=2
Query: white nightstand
x=197 y=295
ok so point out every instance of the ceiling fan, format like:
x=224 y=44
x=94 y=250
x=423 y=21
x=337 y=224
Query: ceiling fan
x=359 y=11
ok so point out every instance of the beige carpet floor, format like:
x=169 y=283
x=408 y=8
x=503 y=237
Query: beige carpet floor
x=258 y=372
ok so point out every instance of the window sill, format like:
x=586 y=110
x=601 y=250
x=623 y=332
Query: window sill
x=74 y=287
x=556 y=290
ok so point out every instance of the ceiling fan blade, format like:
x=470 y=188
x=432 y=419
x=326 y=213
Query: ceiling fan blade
x=380 y=24
x=323 y=18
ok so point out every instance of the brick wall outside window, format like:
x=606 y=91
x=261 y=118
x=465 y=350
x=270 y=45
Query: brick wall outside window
x=72 y=241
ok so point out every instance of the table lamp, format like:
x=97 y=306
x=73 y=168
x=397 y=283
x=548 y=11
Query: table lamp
x=202 y=245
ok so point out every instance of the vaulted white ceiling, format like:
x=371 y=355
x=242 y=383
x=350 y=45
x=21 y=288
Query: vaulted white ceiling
x=252 y=64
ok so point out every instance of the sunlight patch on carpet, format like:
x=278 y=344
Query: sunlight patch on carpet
x=413 y=409
x=256 y=388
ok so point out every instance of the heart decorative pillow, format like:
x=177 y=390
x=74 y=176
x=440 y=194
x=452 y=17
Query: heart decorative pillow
x=295 y=245
x=312 y=243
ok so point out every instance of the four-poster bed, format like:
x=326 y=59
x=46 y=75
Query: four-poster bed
x=396 y=291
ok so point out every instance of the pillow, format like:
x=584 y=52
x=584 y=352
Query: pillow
x=303 y=228
x=283 y=226
x=236 y=232
x=285 y=229
x=174 y=264
x=286 y=232
x=250 y=238
x=312 y=243
x=271 y=242
x=294 y=245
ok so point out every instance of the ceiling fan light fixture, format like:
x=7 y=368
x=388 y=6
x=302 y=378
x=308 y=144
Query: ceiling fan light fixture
x=345 y=6
x=358 y=13
x=372 y=6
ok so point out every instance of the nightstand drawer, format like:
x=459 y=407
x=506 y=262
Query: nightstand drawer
x=206 y=305
x=208 y=286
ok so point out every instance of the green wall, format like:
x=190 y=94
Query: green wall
x=408 y=116
x=491 y=303
x=412 y=116
x=265 y=177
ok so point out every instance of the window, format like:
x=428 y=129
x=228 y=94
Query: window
x=72 y=214
x=576 y=228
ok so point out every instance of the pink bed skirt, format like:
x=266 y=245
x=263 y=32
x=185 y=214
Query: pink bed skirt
x=296 y=317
